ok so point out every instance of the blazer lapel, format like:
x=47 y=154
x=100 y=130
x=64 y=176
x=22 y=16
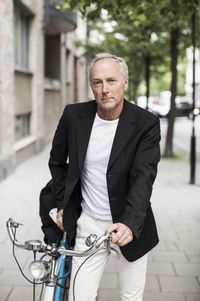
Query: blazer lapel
x=84 y=126
x=124 y=130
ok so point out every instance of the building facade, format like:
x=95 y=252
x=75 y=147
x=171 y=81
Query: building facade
x=41 y=71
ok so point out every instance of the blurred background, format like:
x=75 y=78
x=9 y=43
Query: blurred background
x=45 y=47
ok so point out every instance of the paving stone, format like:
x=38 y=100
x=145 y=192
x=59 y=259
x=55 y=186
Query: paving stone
x=9 y=262
x=12 y=276
x=180 y=228
x=161 y=246
x=169 y=256
x=6 y=249
x=169 y=235
x=3 y=237
x=152 y=284
x=187 y=269
x=179 y=284
x=108 y=295
x=189 y=237
x=109 y=280
x=160 y=268
x=193 y=224
x=149 y=296
x=194 y=256
x=5 y=291
x=192 y=297
x=192 y=245
x=24 y=293
x=172 y=246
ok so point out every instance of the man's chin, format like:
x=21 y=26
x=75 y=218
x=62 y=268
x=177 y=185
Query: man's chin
x=107 y=107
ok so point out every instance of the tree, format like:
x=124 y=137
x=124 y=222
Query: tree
x=141 y=51
x=172 y=17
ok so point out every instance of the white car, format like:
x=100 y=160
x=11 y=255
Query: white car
x=159 y=105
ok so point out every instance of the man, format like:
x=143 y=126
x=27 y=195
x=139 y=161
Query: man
x=112 y=150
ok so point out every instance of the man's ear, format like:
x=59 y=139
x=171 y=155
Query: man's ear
x=126 y=83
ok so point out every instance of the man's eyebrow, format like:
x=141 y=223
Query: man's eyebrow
x=109 y=77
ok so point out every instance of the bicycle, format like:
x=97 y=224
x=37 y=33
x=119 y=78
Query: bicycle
x=54 y=274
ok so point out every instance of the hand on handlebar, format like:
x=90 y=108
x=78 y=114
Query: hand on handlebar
x=36 y=245
x=121 y=235
x=60 y=219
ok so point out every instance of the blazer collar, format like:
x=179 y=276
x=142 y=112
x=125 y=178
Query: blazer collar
x=84 y=126
x=124 y=130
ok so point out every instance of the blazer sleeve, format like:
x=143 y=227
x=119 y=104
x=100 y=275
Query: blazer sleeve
x=58 y=159
x=142 y=175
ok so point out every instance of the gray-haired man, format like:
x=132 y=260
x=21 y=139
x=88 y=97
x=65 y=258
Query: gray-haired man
x=113 y=151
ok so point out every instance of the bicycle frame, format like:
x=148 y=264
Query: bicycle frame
x=60 y=291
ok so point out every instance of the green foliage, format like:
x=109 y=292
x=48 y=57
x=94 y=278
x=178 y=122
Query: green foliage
x=155 y=31
x=146 y=27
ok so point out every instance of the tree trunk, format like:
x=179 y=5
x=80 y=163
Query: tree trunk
x=135 y=89
x=171 y=119
x=147 y=76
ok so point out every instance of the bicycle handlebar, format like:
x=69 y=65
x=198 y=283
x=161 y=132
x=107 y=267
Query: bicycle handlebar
x=10 y=226
x=36 y=245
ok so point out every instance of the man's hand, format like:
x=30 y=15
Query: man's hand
x=60 y=219
x=122 y=234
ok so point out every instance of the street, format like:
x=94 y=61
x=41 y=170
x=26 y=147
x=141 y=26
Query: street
x=182 y=135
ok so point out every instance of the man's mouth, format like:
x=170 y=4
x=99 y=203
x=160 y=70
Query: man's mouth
x=107 y=98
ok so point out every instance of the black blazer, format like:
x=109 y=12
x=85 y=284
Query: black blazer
x=131 y=170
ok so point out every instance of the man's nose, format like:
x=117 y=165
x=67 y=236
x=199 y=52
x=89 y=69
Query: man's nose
x=105 y=88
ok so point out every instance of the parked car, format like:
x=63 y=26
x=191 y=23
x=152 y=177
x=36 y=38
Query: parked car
x=197 y=108
x=183 y=107
x=160 y=105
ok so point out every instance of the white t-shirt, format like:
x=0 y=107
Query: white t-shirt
x=94 y=185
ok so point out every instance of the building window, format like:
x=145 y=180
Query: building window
x=21 y=38
x=52 y=57
x=22 y=126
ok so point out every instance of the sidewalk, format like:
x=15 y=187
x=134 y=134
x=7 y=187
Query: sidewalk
x=174 y=266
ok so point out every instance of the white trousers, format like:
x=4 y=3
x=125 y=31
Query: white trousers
x=131 y=275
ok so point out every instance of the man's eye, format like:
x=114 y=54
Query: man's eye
x=111 y=80
x=97 y=83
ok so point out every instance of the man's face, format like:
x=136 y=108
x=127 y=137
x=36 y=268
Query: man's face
x=108 y=85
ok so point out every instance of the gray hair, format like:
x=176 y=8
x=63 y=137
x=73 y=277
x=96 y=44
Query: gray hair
x=122 y=64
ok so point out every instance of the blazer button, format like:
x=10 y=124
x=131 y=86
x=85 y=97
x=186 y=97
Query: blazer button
x=109 y=175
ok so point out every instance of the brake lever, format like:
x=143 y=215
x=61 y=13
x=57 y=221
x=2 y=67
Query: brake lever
x=14 y=224
x=109 y=248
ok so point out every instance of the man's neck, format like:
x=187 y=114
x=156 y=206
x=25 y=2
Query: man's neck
x=109 y=114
